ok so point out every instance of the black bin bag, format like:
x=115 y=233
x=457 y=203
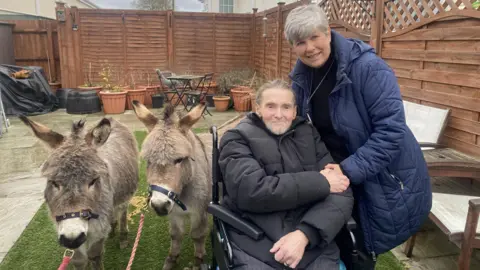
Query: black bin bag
x=30 y=96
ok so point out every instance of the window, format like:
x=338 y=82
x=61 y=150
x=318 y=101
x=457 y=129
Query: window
x=226 y=6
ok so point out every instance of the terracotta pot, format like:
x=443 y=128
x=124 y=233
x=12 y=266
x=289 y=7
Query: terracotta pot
x=221 y=103
x=113 y=102
x=241 y=98
x=135 y=94
x=150 y=90
x=54 y=86
x=253 y=102
x=96 y=88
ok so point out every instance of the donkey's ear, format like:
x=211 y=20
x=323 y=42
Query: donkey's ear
x=50 y=137
x=98 y=135
x=192 y=117
x=144 y=115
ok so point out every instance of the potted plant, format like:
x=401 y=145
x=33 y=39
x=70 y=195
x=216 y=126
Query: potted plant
x=220 y=99
x=113 y=96
x=89 y=85
x=134 y=91
x=150 y=88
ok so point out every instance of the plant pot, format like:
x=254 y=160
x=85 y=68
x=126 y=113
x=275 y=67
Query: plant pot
x=113 y=102
x=135 y=94
x=150 y=90
x=209 y=100
x=221 y=103
x=83 y=102
x=157 y=100
x=241 y=98
x=253 y=102
x=54 y=86
x=88 y=88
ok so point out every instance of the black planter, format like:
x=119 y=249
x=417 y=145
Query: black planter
x=157 y=100
x=62 y=94
x=209 y=101
x=83 y=102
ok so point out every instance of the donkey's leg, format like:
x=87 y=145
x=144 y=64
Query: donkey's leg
x=95 y=254
x=176 y=233
x=199 y=232
x=123 y=227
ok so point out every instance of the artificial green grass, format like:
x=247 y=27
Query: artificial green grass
x=37 y=247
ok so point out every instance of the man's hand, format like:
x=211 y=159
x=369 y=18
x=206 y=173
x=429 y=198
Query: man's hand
x=334 y=167
x=290 y=248
x=338 y=182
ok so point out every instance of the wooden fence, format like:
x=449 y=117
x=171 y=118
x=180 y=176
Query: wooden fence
x=36 y=44
x=435 y=53
x=432 y=45
x=137 y=42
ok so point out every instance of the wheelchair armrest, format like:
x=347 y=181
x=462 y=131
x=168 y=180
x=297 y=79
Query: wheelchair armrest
x=232 y=219
x=351 y=224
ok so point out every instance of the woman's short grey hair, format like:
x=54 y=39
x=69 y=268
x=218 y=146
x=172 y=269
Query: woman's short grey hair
x=303 y=21
x=278 y=84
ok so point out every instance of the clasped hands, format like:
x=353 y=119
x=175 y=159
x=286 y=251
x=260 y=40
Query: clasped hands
x=335 y=177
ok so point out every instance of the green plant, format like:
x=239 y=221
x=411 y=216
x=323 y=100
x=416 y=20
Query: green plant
x=107 y=77
x=476 y=4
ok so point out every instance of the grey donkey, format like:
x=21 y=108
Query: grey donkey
x=179 y=176
x=91 y=177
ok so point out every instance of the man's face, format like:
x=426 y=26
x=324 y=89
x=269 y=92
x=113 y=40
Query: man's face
x=315 y=50
x=277 y=109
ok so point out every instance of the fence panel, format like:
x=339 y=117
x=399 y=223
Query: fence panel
x=436 y=58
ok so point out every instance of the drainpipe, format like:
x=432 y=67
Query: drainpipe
x=37 y=7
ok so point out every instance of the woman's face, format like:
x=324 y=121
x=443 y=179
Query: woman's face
x=315 y=50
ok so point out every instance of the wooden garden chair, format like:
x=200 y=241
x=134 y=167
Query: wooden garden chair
x=456 y=215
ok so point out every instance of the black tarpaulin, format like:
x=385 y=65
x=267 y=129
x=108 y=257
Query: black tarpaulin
x=30 y=96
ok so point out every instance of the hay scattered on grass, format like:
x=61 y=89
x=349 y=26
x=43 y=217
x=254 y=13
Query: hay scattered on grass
x=140 y=205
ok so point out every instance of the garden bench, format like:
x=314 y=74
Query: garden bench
x=455 y=214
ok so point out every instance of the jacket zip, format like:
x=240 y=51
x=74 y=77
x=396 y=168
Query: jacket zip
x=395 y=178
x=280 y=142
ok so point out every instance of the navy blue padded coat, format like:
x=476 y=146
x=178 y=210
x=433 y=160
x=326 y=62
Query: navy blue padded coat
x=386 y=166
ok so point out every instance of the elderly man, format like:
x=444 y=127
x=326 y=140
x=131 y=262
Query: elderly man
x=273 y=165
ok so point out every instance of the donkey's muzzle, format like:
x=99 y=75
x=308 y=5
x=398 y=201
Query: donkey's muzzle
x=162 y=209
x=73 y=243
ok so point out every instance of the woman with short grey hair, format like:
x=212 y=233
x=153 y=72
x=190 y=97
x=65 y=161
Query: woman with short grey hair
x=353 y=99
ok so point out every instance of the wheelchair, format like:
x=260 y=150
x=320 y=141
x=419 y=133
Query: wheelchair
x=222 y=253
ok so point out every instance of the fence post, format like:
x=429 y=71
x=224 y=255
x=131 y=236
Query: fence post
x=279 y=38
x=69 y=43
x=253 y=37
x=377 y=27
x=51 y=54
x=214 y=45
x=170 y=39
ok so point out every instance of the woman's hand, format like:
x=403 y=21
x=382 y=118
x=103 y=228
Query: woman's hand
x=290 y=248
x=334 y=167
x=338 y=182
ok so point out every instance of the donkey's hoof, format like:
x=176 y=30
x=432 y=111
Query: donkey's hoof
x=123 y=244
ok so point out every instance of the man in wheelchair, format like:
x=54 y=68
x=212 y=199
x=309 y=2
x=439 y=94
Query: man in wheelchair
x=273 y=168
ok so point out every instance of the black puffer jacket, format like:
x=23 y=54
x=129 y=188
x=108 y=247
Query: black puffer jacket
x=275 y=182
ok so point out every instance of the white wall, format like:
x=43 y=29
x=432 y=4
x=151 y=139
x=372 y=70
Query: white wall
x=245 y=6
x=45 y=8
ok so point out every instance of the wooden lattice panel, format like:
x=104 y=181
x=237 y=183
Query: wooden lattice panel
x=356 y=13
x=399 y=14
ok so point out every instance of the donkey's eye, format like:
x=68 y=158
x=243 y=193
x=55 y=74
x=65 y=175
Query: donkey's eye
x=178 y=160
x=54 y=184
x=93 y=182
